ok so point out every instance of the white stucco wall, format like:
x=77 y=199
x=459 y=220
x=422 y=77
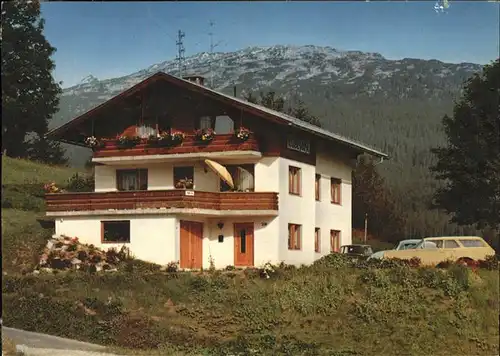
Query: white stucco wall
x=160 y=176
x=265 y=241
x=157 y=239
x=105 y=179
x=299 y=210
x=152 y=238
x=331 y=216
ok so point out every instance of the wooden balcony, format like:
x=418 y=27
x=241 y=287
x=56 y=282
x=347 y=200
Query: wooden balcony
x=220 y=143
x=156 y=199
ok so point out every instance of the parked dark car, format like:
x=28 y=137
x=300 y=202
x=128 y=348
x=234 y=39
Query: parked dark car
x=359 y=251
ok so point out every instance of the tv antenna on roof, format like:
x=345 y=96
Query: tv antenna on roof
x=212 y=47
x=180 y=52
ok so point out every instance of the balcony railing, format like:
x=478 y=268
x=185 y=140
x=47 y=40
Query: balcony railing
x=220 y=143
x=152 y=199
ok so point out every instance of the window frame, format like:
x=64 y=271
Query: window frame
x=294 y=236
x=336 y=198
x=292 y=178
x=335 y=234
x=317 y=187
x=206 y=119
x=317 y=240
x=139 y=177
x=115 y=222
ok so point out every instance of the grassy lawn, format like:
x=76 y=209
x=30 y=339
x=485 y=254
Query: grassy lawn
x=20 y=171
x=322 y=309
x=22 y=205
x=22 y=240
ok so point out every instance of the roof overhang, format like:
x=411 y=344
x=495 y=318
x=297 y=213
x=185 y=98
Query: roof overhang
x=261 y=111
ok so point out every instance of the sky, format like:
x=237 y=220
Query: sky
x=112 y=39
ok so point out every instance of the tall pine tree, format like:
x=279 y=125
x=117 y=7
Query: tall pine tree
x=371 y=197
x=469 y=165
x=30 y=96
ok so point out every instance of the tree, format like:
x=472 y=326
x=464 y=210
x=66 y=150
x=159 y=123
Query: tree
x=46 y=151
x=300 y=111
x=30 y=96
x=276 y=102
x=371 y=196
x=270 y=100
x=469 y=165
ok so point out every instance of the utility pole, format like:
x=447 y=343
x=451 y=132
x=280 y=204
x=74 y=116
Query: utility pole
x=180 y=52
x=366 y=225
x=212 y=47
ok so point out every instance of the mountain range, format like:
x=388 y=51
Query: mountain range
x=301 y=70
x=393 y=105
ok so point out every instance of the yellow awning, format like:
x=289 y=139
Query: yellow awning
x=221 y=171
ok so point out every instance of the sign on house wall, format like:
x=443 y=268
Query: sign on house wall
x=298 y=144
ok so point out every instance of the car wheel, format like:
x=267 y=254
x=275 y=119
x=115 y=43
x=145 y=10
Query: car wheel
x=468 y=262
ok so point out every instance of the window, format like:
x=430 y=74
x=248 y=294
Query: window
x=115 y=231
x=334 y=241
x=427 y=245
x=184 y=177
x=317 y=186
x=294 y=180
x=132 y=179
x=438 y=243
x=243 y=243
x=294 y=237
x=243 y=178
x=471 y=243
x=317 y=240
x=451 y=244
x=224 y=124
x=335 y=190
x=206 y=122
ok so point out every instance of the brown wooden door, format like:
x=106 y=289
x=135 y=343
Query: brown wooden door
x=191 y=244
x=243 y=244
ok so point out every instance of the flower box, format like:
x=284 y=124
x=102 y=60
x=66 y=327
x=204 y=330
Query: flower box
x=242 y=133
x=128 y=141
x=204 y=135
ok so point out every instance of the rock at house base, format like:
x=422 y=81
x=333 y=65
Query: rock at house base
x=66 y=253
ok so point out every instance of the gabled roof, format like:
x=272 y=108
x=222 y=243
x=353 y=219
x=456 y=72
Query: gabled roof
x=242 y=104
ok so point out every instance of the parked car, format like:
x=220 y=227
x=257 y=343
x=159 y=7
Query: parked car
x=402 y=245
x=434 y=250
x=359 y=251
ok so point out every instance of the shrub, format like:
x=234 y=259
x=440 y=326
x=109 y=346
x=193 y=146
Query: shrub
x=489 y=263
x=172 y=267
x=138 y=266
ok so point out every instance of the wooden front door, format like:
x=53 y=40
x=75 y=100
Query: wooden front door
x=191 y=244
x=243 y=244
